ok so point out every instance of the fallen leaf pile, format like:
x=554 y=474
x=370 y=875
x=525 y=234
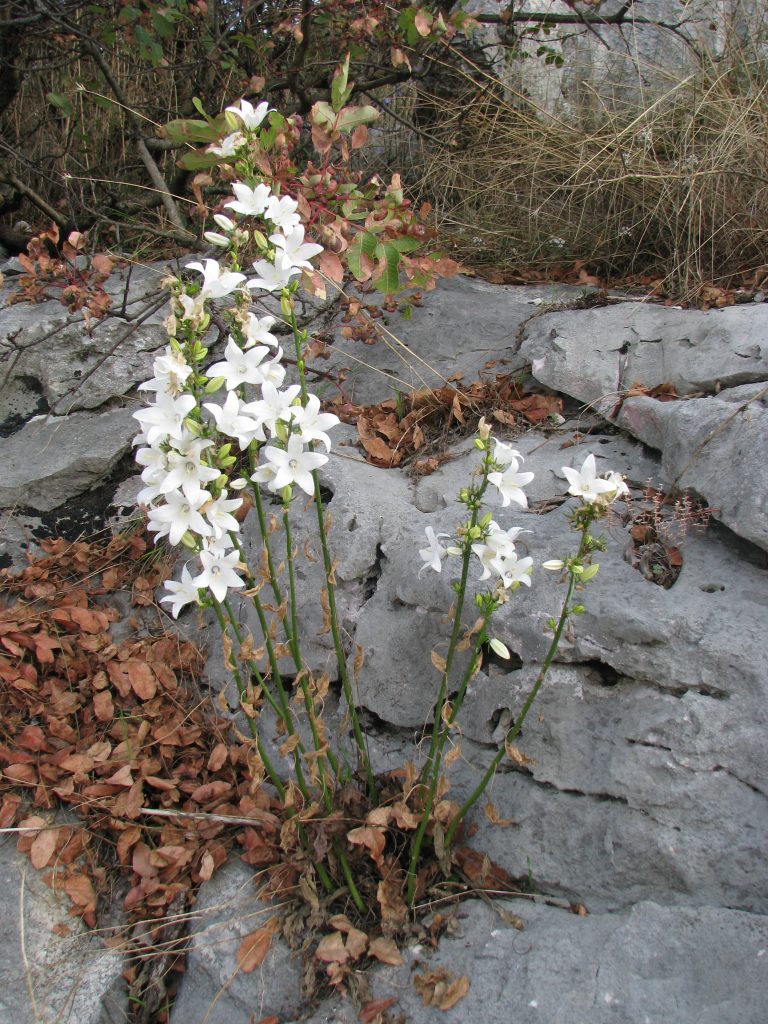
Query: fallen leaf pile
x=395 y=430
x=114 y=732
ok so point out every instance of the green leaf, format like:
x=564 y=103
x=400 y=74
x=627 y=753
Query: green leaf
x=128 y=15
x=363 y=243
x=323 y=114
x=351 y=117
x=198 y=105
x=340 y=91
x=104 y=102
x=163 y=25
x=406 y=244
x=197 y=161
x=60 y=101
x=191 y=131
x=388 y=281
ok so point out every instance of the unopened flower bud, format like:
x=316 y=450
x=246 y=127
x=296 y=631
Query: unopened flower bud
x=224 y=222
x=553 y=565
x=498 y=648
x=216 y=239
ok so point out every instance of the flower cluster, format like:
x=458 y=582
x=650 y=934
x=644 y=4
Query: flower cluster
x=495 y=547
x=186 y=442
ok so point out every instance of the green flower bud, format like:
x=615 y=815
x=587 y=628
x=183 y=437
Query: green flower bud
x=213 y=385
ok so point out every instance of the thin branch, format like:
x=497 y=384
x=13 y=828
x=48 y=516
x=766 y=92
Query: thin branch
x=146 y=157
x=35 y=199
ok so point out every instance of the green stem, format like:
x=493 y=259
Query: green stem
x=275 y=779
x=461 y=595
x=434 y=777
x=259 y=505
x=515 y=729
x=354 y=892
x=330 y=590
x=308 y=702
x=283 y=711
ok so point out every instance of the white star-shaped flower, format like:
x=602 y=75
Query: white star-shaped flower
x=177 y=515
x=273 y=276
x=181 y=593
x=239 y=366
x=234 y=420
x=228 y=146
x=218 y=514
x=510 y=483
x=312 y=423
x=274 y=405
x=187 y=471
x=294 y=465
x=251 y=202
x=250 y=116
x=295 y=248
x=257 y=331
x=585 y=483
x=165 y=418
x=282 y=213
x=170 y=371
x=218 y=573
x=434 y=553
x=216 y=282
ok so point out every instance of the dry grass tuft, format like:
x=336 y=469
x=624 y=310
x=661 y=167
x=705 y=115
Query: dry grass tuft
x=679 y=187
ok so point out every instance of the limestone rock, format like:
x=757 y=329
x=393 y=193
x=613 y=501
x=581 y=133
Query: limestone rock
x=594 y=355
x=651 y=963
x=716 y=447
x=53 y=458
x=47 y=977
x=214 y=989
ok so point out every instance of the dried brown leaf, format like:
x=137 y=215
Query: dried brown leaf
x=255 y=946
x=386 y=951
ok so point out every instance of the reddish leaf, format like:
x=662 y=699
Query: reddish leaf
x=254 y=947
x=331 y=949
x=372 y=1010
x=141 y=678
x=103 y=707
x=386 y=951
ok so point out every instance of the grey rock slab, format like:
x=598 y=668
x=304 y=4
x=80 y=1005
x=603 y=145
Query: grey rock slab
x=716 y=447
x=49 y=979
x=594 y=355
x=54 y=458
x=17 y=539
x=629 y=794
x=214 y=990
x=656 y=737
x=650 y=965
x=53 y=362
x=458 y=327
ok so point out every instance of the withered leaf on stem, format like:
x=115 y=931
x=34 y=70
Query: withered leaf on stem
x=440 y=988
